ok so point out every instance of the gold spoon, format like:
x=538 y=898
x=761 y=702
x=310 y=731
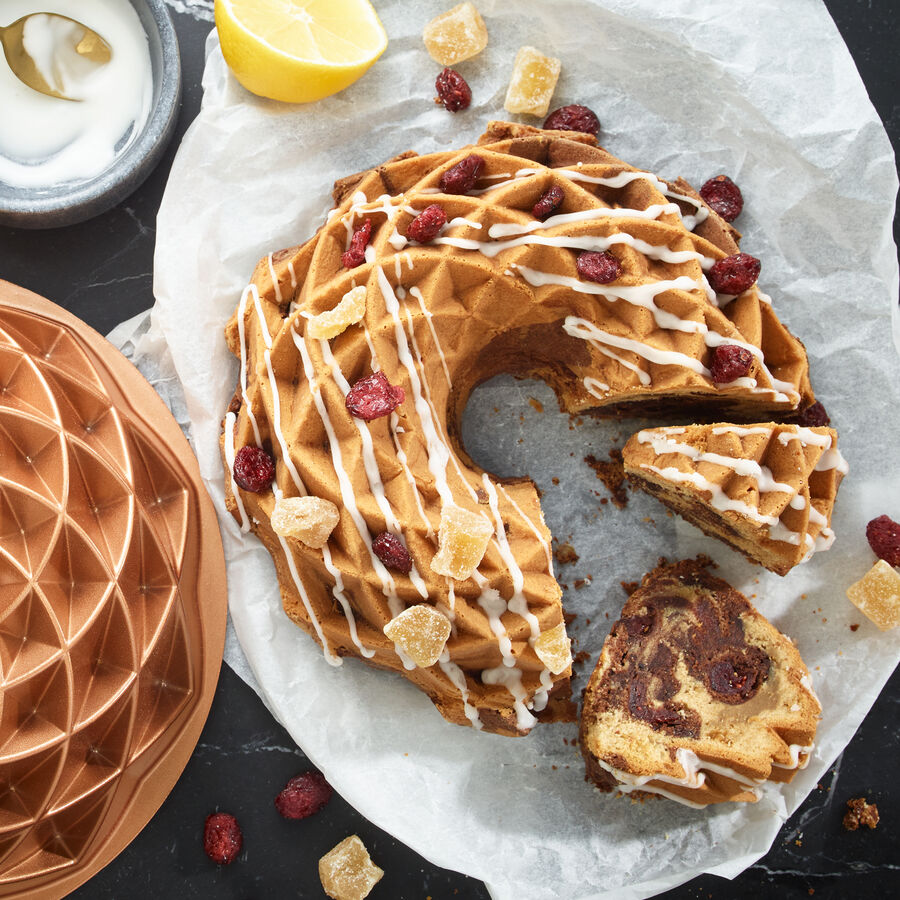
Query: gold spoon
x=73 y=37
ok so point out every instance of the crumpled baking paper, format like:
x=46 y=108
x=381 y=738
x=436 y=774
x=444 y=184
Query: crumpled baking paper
x=761 y=90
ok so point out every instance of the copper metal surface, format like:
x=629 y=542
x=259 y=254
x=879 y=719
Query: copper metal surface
x=112 y=599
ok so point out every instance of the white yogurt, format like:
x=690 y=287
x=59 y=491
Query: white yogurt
x=45 y=140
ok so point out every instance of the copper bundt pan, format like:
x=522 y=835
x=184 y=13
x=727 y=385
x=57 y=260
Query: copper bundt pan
x=112 y=599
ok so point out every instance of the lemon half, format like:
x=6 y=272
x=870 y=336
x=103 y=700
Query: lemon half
x=298 y=50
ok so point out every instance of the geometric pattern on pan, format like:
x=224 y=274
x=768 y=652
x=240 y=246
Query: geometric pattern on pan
x=102 y=664
x=496 y=291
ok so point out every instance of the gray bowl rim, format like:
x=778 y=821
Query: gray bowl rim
x=84 y=200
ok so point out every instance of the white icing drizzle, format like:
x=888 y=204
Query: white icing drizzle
x=719 y=500
x=230 y=420
x=293 y=275
x=663 y=444
x=694 y=778
x=415 y=292
x=348 y=497
x=511 y=679
x=274 y=278
x=517 y=603
x=494 y=606
x=370 y=464
x=596 y=388
x=587 y=331
x=304 y=597
x=404 y=463
x=437 y=451
x=806 y=684
x=241 y=314
x=458 y=680
x=545 y=544
x=796 y=751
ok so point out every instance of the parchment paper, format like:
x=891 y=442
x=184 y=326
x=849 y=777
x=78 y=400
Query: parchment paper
x=766 y=94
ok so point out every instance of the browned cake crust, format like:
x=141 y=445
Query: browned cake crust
x=696 y=696
x=496 y=291
x=766 y=489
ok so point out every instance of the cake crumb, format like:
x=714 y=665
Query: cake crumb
x=565 y=554
x=860 y=812
x=854 y=626
x=612 y=474
x=536 y=404
x=630 y=586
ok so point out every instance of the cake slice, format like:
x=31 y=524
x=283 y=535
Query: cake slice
x=696 y=696
x=767 y=489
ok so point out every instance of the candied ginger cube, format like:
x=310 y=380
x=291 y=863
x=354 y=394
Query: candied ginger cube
x=348 y=312
x=532 y=83
x=554 y=649
x=309 y=519
x=463 y=537
x=457 y=34
x=877 y=595
x=421 y=632
x=347 y=871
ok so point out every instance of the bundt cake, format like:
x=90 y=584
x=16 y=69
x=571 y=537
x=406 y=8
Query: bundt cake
x=766 y=489
x=696 y=696
x=535 y=253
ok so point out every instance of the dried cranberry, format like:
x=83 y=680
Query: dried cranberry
x=461 y=178
x=373 y=397
x=254 y=469
x=734 y=274
x=356 y=254
x=390 y=550
x=730 y=362
x=737 y=676
x=600 y=267
x=453 y=90
x=573 y=118
x=549 y=202
x=303 y=796
x=222 y=838
x=427 y=224
x=724 y=196
x=814 y=416
x=883 y=534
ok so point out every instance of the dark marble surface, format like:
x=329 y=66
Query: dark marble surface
x=102 y=271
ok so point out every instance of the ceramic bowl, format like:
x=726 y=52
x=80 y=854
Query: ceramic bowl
x=66 y=204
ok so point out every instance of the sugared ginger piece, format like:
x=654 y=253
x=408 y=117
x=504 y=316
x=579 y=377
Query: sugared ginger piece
x=877 y=595
x=309 y=519
x=532 y=83
x=463 y=537
x=554 y=649
x=348 y=312
x=457 y=34
x=347 y=871
x=421 y=632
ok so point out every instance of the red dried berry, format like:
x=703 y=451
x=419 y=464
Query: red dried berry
x=549 y=202
x=734 y=274
x=373 y=397
x=254 y=469
x=303 y=796
x=883 y=534
x=461 y=178
x=453 y=90
x=222 y=838
x=724 y=196
x=814 y=416
x=390 y=550
x=573 y=118
x=356 y=254
x=600 y=267
x=730 y=362
x=427 y=224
